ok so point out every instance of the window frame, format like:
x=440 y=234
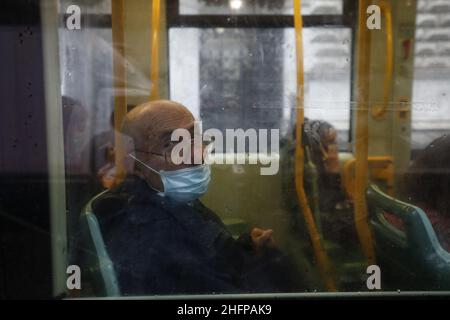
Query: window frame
x=175 y=19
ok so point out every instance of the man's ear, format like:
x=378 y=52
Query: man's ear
x=128 y=146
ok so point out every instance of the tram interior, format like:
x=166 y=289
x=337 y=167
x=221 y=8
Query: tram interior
x=353 y=121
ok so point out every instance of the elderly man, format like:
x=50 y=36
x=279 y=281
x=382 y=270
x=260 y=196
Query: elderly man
x=161 y=239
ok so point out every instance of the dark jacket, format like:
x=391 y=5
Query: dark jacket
x=160 y=247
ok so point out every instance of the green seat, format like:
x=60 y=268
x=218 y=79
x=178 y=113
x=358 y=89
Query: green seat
x=96 y=261
x=412 y=259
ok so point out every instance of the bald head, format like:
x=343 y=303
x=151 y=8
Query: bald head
x=150 y=123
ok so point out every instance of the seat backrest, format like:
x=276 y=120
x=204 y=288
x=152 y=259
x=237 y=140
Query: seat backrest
x=96 y=260
x=414 y=253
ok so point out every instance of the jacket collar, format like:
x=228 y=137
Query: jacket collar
x=145 y=205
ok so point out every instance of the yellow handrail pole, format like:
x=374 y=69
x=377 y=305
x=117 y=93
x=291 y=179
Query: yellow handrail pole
x=378 y=113
x=154 y=72
x=120 y=108
x=319 y=251
x=362 y=135
x=389 y=55
x=348 y=169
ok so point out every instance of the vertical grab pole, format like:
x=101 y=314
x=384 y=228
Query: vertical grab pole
x=120 y=108
x=154 y=72
x=319 y=251
x=362 y=135
x=379 y=112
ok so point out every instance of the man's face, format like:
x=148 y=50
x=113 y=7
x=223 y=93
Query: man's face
x=160 y=155
x=156 y=151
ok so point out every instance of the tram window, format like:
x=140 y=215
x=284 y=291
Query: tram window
x=262 y=7
x=233 y=64
x=221 y=68
x=228 y=69
x=327 y=64
x=93 y=90
x=431 y=90
x=87 y=90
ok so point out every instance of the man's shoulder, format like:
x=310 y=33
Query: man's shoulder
x=132 y=201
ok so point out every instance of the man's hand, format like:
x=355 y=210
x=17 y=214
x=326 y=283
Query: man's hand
x=262 y=238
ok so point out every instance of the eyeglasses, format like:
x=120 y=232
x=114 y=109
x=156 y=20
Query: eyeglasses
x=167 y=149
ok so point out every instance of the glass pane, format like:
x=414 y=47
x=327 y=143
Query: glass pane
x=227 y=68
x=431 y=72
x=87 y=91
x=277 y=7
x=242 y=206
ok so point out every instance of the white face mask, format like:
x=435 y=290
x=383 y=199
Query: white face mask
x=185 y=184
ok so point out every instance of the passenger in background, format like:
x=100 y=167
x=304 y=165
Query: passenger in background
x=335 y=207
x=427 y=185
x=322 y=139
x=99 y=155
x=74 y=126
x=336 y=210
x=162 y=239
